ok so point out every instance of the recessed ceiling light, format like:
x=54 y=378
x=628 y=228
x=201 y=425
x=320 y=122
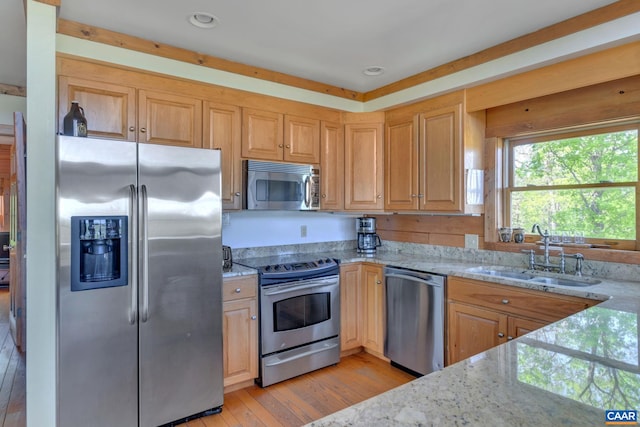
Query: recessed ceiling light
x=203 y=20
x=374 y=70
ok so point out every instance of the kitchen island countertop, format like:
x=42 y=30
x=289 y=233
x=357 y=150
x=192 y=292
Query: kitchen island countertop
x=567 y=373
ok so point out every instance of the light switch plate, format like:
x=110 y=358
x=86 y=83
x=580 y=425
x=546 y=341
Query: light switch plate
x=471 y=241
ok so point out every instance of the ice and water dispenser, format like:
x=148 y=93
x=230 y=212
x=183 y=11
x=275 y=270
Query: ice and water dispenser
x=98 y=252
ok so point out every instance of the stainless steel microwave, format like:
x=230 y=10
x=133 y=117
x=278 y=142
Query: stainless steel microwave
x=280 y=186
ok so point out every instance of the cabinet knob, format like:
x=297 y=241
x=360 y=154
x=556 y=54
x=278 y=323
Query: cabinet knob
x=500 y=335
x=509 y=338
x=143 y=130
x=378 y=282
x=413 y=195
x=131 y=128
x=505 y=301
x=378 y=196
x=420 y=196
x=237 y=194
x=324 y=196
x=237 y=290
x=254 y=317
x=288 y=146
x=279 y=145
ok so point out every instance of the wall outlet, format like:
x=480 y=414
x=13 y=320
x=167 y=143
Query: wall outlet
x=303 y=231
x=471 y=241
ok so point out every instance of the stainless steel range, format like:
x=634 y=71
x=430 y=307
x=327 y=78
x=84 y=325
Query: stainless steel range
x=299 y=315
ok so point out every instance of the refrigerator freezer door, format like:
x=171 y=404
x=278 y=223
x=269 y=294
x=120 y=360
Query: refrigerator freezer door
x=180 y=302
x=97 y=334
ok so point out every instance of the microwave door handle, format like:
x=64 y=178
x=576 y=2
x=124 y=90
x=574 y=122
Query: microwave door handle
x=307 y=191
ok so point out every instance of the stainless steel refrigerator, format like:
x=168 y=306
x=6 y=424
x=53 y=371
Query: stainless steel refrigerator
x=139 y=310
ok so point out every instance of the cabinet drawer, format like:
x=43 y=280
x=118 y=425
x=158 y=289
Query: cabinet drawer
x=536 y=304
x=239 y=287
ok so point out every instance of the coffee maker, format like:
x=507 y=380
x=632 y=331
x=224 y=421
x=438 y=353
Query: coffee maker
x=368 y=240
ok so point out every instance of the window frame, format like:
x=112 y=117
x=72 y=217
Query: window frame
x=508 y=176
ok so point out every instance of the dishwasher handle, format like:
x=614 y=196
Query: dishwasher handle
x=431 y=282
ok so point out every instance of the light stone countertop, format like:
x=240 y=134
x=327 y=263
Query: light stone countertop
x=565 y=374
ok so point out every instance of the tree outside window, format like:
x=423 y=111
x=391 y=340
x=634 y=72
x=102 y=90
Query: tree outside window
x=581 y=181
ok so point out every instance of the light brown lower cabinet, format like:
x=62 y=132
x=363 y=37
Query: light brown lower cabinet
x=483 y=315
x=350 y=308
x=373 y=321
x=362 y=308
x=240 y=331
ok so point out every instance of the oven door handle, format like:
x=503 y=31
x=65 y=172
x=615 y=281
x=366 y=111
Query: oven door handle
x=298 y=288
x=299 y=356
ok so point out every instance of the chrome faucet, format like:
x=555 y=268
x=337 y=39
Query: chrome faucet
x=546 y=265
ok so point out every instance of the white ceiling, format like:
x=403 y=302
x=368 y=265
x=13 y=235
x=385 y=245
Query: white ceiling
x=329 y=41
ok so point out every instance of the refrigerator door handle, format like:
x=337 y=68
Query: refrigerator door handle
x=144 y=259
x=133 y=265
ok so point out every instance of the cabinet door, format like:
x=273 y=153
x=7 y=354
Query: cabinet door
x=331 y=166
x=350 y=307
x=518 y=326
x=473 y=330
x=169 y=119
x=401 y=166
x=301 y=140
x=222 y=130
x=240 y=340
x=440 y=147
x=373 y=332
x=262 y=134
x=110 y=109
x=363 y=166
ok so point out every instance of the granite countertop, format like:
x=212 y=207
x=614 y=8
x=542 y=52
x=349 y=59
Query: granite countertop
x=567 y=373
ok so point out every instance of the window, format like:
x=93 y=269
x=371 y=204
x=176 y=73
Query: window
x=574 y=183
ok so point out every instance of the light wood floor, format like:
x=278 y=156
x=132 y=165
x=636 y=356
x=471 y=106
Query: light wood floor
x=308 y=397
x=12 y=372
x=294 y=402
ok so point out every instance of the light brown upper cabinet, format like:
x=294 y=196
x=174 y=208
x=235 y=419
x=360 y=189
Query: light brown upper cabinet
x=331 y=166
x=301 y=140
x=169 y=119
x=363 y=158
x=110 y=109
x=401 y=165
x=222 y=130
x=433 y=157
x=161 y=118
x=267 y=135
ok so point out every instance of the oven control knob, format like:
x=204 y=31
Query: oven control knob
x=321 y=261
x=287 y=267
x=277 y=267
x=267 y=268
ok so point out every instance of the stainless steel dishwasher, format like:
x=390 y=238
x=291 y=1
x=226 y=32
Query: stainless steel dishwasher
x=414 y=334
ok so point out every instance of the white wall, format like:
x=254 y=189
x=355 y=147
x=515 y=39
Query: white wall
x=41 y=217
x=9 y=104
x=248 y=229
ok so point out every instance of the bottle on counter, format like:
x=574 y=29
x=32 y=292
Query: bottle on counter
x=75 y=123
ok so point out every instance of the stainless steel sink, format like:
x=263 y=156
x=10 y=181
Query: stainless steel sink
x=565 y=282
x=533 y=277
x=501 y=273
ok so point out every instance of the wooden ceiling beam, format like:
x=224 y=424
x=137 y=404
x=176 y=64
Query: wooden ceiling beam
x=12 y=90
x=101 y=35
x=578 y=23
x=55 y=3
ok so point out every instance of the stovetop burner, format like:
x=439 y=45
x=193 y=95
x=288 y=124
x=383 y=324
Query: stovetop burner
x=289 y=268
